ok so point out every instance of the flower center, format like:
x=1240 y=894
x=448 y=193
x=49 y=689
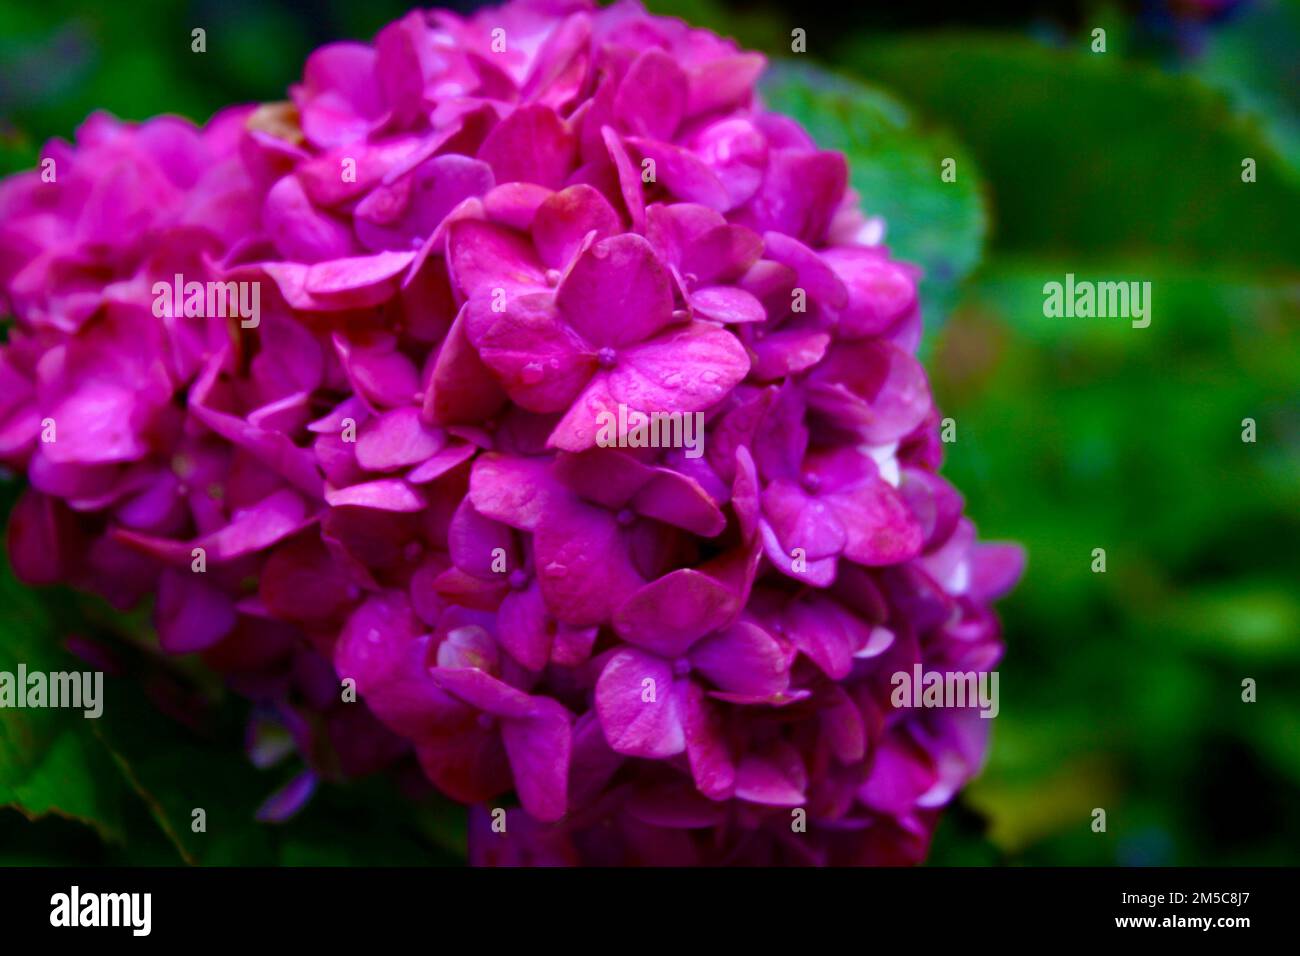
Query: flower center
x=607 y=357
x=811 y=483
x=518 y=579
x=625 y=517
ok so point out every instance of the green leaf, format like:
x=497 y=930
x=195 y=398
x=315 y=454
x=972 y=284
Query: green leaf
x=174 y=771
x=50 y=760
x=1089 y=153
x=1252 y=59
x=895 y=165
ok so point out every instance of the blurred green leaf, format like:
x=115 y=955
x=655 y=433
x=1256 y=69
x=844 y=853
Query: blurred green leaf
x=50 y=760
x=1088 y=154
x=1253 y=59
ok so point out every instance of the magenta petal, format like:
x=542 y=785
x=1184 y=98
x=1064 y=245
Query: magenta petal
x=813 y=275
x=675 y=806
x=288 y=800
x=412 y=208
x=677 y=500
x=373 y=643
x=874 y=385
x=256 y=528
x=539 y=748
x=483 y=256
x=880 y=528
x=604 y=476
x=742 y=659
x=274 y=449
x=515 y=205
x=572 y=646
x=522 y=623
x=531 y=145
x=901 y=771
x=191 y=615
x=671 y=613
x=880 y=291
x=724 y=83
x=683 y=174
x=440 y=463
x=936 y=505
x=788 y=351
x=727 y=304
x=620 y=276
x=396 y=439
x=473 y=542
x=578 y=430
x=778 y=779
x=818 y=572
x=560 y=69
x=462 y=389
x=802 y=521
x=687 y=369
x=995 y=569
x=844 y=728
x=484 y=692
x=540 y=363
x=582 y=563
x=564 y=220
x=386 y=494
x=713 y=767
x=701 y=243
x=744 y=493
x=340 y=97
x=515 y=491
x=736 y=151
x=639 y=710
x=827 y=634
x=356 y=282
x=651 y=99
x=321 y=175
x=629 y=177
x=300 y=231
x=801 y=191
x=100 y=422
x=379 y=372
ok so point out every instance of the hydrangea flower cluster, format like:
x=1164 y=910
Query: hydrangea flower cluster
x=475 y=244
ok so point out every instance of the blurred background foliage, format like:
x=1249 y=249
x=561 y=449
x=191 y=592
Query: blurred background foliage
x=1119 y=690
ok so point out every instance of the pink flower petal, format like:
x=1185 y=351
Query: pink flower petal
x=638 y=707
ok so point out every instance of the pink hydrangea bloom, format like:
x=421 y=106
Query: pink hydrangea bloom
x=477 y=242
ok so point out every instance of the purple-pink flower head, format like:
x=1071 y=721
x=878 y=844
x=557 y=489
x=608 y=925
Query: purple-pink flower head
x=579 y=429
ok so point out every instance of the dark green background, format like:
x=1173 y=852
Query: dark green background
x=1119 y=690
